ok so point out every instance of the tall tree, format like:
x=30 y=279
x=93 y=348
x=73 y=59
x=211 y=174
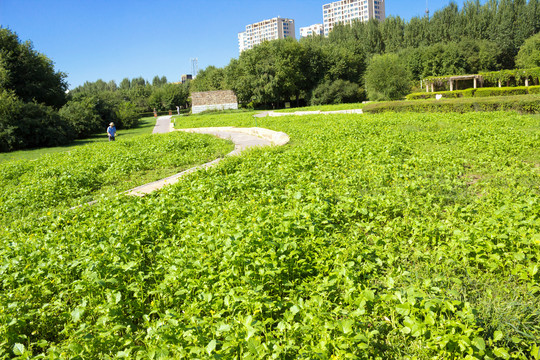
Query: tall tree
x=29 y=74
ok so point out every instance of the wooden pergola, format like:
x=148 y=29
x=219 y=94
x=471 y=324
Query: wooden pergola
x=478 y=81
x=453 y=82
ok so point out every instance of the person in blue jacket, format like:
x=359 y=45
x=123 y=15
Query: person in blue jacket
x=111 y=131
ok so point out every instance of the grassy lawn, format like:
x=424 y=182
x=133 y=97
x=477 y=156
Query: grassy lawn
x=146 y=125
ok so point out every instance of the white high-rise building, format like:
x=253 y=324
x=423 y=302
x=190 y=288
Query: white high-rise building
x=348 y=11
x=316 y=29
x=271 y=29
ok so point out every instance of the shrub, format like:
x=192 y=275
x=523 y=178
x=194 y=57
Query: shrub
x=503 y=91
x=28 y=125
x=523 y=104
x=337 y=92
x=82 y=117
x=534 y=90
x=469 y=93
x=387 y=78
x=529 y=53
x=432 y=95
x=127 y=115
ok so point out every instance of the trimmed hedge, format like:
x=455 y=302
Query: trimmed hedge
x=528 y=104
x=502 y=91
x=480 y=92
x=431 y=95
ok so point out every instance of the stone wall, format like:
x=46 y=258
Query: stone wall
x=213 y=100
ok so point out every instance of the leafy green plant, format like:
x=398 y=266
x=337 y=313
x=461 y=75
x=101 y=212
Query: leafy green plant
x=385 y=236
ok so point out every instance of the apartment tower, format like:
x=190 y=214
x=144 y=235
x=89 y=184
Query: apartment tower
x=348 y=11
x=266 y=30
x=316 y=29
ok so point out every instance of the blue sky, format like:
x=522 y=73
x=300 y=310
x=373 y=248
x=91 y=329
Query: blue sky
x=114 y=39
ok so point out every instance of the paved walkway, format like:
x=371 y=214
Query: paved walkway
x=300 y=113
x=242 y=138
x=162 y=125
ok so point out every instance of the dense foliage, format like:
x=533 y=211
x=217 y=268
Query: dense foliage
x=337 y=92
x=378 y=236
x=387 y=78
x=28 y=124
x=529 y=54
x=31 y=91
x=478 y=37
x=122 y=104
x=29 y=74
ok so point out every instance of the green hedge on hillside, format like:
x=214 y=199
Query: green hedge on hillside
x=481 y=92
x=527 y=104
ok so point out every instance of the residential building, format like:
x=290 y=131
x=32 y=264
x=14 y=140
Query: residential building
x=266 y=30
x=316 y=29
x=348 y=11
x=186 y=77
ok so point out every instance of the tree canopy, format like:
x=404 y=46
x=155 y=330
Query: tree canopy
x=29 y=74
x=477 y=37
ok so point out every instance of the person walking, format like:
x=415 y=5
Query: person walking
x=111 y=131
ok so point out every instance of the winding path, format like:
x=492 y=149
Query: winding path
x=243 y=138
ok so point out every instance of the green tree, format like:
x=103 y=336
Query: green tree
x=82 y=117
x=387 y=78
x=209 y=79
x=159 y=81
x=337 y=92
x=125 y=84
x=127 y=115
x=529 y=53
x=29 y=74
x=30 y=125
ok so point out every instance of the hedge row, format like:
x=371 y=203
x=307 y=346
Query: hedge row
x=528 y=104
x=481 y=92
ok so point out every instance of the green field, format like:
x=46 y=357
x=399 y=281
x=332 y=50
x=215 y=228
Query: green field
x=391 y=236
x=98 y=170
x=145 y=126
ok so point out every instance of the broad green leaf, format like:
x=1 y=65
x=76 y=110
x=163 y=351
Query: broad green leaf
x=479 y=343
x=76 y=314
x=535 y=352
x=405 y=330
x=369 y=295
x=18 y=349
x=403 y=309
x=346 y=326
x=211 y=347
x=502 y=353
x=497 y=335
x=224 y=328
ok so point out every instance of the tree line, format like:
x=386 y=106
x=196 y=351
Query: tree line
x=36 y=110
x=477 y=37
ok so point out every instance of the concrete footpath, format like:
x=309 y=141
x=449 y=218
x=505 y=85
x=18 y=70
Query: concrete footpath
x=301 y=113
x=162 y=125
x=243 y=138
